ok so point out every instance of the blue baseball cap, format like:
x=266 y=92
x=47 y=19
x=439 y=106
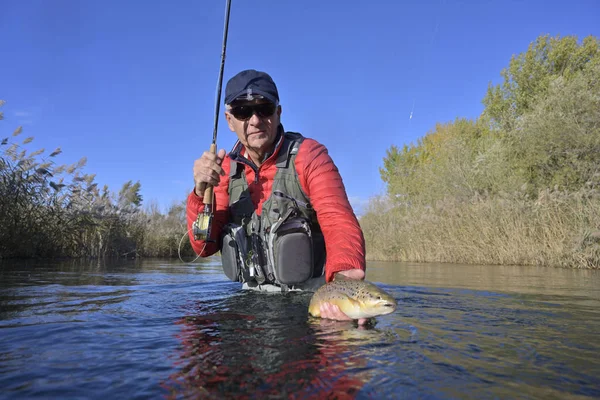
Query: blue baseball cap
x=249 y=84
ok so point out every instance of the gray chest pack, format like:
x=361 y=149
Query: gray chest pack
x=282 y=246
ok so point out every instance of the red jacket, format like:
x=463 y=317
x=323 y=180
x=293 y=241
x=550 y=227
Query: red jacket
x=320 y=181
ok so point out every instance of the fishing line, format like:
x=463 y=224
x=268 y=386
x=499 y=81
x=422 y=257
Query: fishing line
x=181 y=242
x=187 y=235
x=179 y=248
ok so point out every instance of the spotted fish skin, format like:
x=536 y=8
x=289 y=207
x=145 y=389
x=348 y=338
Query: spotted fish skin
x=356 y=298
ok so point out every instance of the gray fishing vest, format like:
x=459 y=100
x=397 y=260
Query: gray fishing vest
x=282 y=246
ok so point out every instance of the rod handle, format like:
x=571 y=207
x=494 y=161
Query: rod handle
x=208 y=192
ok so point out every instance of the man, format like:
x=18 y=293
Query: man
x=282 y=218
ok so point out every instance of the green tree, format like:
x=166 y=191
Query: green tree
x=547 y=110
x=529 y=74
x=448 y=161
x=557 y=142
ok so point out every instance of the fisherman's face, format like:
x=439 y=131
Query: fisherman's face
x=255 y=123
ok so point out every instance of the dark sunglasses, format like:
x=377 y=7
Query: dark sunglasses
x=244 y=113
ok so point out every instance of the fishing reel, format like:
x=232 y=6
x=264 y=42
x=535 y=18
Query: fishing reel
x=202 y=224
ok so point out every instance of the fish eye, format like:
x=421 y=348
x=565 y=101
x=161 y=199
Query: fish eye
x=379 y=298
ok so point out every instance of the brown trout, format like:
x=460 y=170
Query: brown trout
x=357 y=299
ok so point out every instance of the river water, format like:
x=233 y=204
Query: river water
x=162 y=329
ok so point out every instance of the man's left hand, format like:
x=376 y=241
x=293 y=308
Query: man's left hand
x=331 y=311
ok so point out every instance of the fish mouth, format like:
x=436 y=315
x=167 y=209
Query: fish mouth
x=383 y=308
x=388 y=307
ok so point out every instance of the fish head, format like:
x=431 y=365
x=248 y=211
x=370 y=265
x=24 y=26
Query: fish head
x=374 y=301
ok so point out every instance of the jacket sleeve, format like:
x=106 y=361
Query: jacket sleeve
x=195 y=205
x=322 y=183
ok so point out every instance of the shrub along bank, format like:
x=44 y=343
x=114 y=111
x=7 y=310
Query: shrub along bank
x=518 y=185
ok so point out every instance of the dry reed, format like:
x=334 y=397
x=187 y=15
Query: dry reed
x=557 y=229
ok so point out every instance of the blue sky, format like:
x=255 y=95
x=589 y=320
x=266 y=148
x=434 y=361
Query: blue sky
x=131 y=84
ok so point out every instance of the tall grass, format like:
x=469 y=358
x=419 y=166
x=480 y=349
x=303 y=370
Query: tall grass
x=53 y=210
x=557 y=229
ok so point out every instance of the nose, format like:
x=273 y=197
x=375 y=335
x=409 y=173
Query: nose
x=254 y=119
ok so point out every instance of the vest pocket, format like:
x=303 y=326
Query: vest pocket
x=291 y=251
x=233 y=252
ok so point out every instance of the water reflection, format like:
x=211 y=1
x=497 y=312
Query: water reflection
x=497 y=278
x=154 y=328
x=257 y=345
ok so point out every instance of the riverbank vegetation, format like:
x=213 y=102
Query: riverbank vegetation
x=56 y=210
x=518 y=185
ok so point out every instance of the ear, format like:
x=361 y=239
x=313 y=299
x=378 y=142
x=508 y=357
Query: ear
x=279 y=111
x=229 y=119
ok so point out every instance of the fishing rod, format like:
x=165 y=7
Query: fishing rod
x=201 y=227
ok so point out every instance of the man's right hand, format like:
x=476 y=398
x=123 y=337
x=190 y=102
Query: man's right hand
x=208 y=171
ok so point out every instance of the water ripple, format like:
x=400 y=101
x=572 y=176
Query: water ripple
x=183 y=331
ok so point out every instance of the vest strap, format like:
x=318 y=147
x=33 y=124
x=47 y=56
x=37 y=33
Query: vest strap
x=290 y=146
x=237 y=170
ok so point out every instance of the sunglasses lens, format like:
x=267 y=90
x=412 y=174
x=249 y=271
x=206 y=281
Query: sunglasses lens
x=245 y=112
x=242 y=112
x=265 y=110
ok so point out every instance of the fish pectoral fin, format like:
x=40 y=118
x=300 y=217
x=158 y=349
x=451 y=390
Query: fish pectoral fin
x=347 y=304
x=314 y=309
